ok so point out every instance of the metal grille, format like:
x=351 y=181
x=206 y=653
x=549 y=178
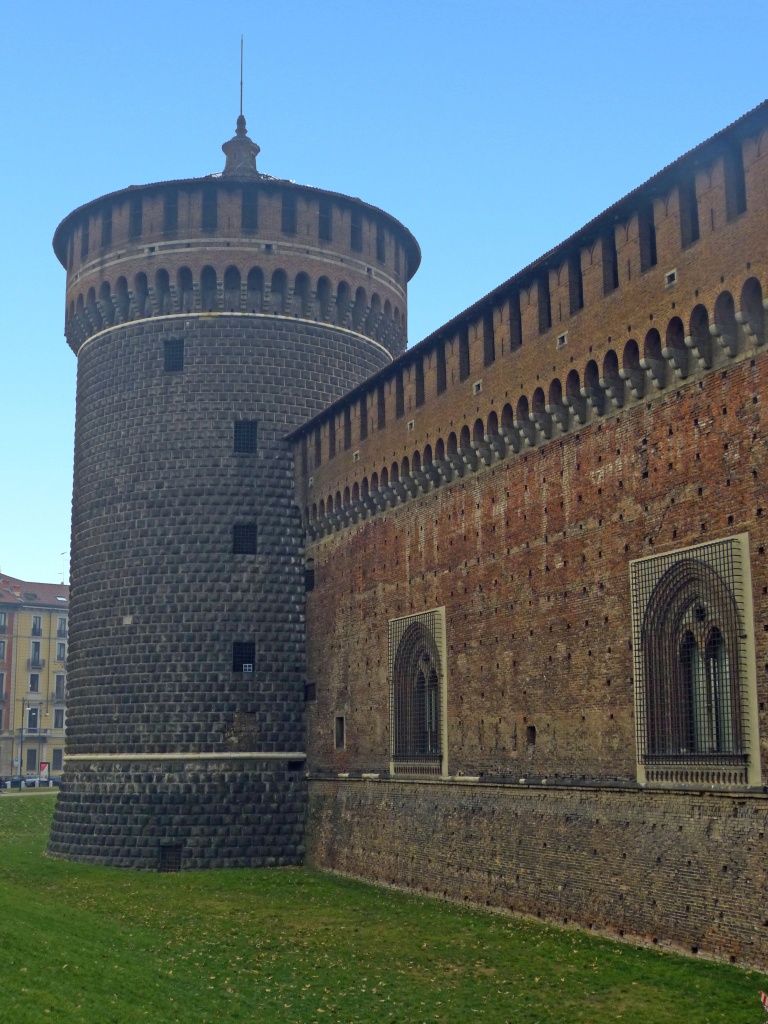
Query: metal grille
x=690 y=658
x=244 y=539
x=416 y=692
x=170 y=858
x=173 y=355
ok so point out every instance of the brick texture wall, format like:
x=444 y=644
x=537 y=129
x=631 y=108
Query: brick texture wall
x=676 y=869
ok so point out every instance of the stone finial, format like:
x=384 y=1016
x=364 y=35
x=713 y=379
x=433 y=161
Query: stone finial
x=241 y=153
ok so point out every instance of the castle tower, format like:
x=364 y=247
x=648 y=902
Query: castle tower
x=210 y=316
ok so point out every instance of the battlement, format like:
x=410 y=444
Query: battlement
x=230 y=244
x=653 y=292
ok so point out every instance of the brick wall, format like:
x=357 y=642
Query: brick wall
x=676 y=869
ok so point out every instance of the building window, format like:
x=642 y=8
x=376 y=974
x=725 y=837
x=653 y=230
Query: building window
x=33 y=719
x=249 y=216
x=575 y=284
x=31 y=759
x=244 y=539
x=58 y=718
x=340 y=733
x=324 y=221
x=417 y=693
x=544 y=303
x=34 y=654
x=61 y=626
x=689 y=212
x=59 y=692
x=399 y=394
x=171 y=210
x=694 y=665
x=134 y=217
x=381 y=408
x=243 y=657
x=3 y=621
x=289 y=213
x=380 y=248
x=356 y=231
x=363 y=410
x=310 y=692
x=34 y=682
x=246 y=436
x=61 y=652
x=106 y=226
x=489 y=341
x=735 y=182
x=2 y=650
x=419 y=377
x=37 y=625
x=347 y=428
x=647 y=236
x=58 y=760
x=463 y=352
x=309 y=576
x=210 y=211
x=173 y=355
x=610 y=263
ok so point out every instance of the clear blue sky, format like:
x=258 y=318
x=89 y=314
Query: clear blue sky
x=492 y=130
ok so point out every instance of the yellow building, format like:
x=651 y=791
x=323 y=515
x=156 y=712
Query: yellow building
x=33 y=678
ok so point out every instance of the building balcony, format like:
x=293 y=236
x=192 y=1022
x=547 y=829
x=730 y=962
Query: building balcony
x=62 y=633
x=37 y=631
x=35 y=662
x=32 y=733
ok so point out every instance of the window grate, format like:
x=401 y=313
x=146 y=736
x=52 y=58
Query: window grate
x=173 y=355
x=244 y=539
x=690 y=656
x=170 y=858
x=417 y=692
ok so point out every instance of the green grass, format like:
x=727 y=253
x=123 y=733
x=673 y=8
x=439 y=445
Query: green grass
x=101 y=945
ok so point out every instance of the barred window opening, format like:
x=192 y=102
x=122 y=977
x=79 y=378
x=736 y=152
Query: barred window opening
x=690 y=650
x=417 y=681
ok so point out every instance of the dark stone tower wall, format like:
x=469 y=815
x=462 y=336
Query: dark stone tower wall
x=176 y=756
x=159 y=597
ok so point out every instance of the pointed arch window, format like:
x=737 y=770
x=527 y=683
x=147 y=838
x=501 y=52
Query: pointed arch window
x=417 y=693
x=694 y=665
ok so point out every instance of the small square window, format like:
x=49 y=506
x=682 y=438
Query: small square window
x=243 y=657
x=244 y=539
x=246 y=435
x=310 y=692
x=309 y=580
x=173 y=355
x=340 y=732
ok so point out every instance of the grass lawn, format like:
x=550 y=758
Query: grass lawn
x=101 y=945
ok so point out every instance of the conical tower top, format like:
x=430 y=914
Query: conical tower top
x=241 y=153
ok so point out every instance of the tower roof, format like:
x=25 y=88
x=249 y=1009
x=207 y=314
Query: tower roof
x=241 y=153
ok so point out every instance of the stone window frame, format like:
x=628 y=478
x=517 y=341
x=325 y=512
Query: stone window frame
x=696 y=713
x=418 y=694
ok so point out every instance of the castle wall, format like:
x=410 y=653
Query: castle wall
x=674 y=869
x=605 y=405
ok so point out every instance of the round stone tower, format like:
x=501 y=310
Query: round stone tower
x=210 y=317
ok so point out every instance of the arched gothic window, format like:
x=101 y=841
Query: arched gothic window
x=692 y=663
x=417 y=693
